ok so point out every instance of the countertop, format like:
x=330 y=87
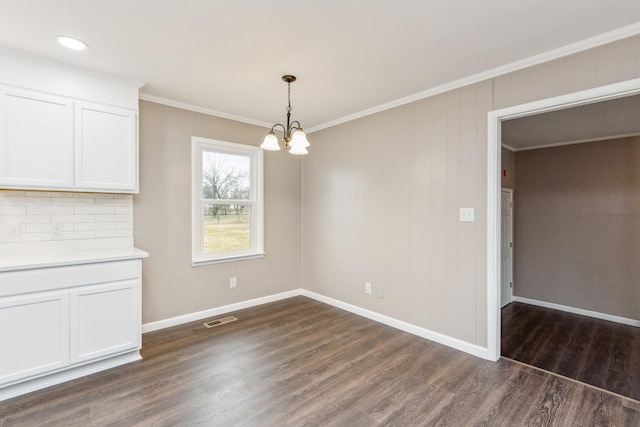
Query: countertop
x=57 y=259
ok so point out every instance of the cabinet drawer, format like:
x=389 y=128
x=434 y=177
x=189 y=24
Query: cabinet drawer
x=44 y=279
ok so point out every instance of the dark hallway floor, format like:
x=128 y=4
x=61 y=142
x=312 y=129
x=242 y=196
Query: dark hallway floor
x=597 y=352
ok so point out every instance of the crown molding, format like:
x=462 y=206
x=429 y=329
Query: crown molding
x=190 y=107
x=570 y=49
x=577 y=141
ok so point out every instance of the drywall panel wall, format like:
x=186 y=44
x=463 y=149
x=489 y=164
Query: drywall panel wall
x=600 y=66
x=577 y=222
x=162 y=211
x=382 y=193
x=381 y=205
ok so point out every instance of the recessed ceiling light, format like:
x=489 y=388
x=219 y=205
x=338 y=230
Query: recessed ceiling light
x=71 y=43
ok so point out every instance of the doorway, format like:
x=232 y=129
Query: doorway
x=494 y=202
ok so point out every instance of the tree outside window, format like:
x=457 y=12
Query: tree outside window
x=229 y=193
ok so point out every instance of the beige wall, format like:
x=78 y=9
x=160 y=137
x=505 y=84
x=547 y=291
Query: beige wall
x=577 y=226
x=381 y=199
x=381 y=205
x=381 y=195
x=162 y=218
x=508 y=168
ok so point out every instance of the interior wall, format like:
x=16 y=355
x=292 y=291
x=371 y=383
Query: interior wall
x=382 y=193
x=162 y=218
x=381 y=206
x=578 y=226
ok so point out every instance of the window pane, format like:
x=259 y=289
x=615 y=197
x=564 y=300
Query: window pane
x=226 y=227
x=225 y=176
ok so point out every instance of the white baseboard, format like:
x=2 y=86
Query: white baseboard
x=472 y=349
x=192 y=317
x=389 y=321
x=574 y=310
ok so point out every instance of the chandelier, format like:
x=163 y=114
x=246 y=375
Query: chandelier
x=295 y=141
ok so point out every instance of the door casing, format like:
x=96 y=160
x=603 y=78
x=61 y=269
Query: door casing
x=494 y=141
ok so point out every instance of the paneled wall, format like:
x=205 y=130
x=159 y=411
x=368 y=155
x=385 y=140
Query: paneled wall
x=171 y=286
x=382 y=193
x=577 y=226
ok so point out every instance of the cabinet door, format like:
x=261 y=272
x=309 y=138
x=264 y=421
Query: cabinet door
x=36 y=140
x=104 y=320
x=34 y=335
x=106 y=148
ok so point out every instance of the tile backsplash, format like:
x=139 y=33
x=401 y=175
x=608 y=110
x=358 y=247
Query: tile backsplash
x=93 y=220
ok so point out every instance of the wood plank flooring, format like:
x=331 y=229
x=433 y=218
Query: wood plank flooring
x=300 y=362
x=597 y=352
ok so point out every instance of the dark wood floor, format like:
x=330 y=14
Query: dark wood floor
x=298 y=362
x=604 y=354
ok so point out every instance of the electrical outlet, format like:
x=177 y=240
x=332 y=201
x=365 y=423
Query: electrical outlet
x=467 y=215
x=56 y=231
x=380 y=292
x=367 y=288
x=232 y=282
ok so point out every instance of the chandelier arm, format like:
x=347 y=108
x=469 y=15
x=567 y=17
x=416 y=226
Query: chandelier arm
x=295 y=122
x=276 y=125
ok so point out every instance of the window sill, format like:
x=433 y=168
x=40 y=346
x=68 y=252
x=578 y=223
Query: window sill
x=232 y=258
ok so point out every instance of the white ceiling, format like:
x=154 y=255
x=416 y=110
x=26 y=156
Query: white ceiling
x=349 y=56
x=597 y=121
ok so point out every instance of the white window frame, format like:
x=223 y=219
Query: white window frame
x=198 y=256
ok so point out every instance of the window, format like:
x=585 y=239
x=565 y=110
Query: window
x=226 y=201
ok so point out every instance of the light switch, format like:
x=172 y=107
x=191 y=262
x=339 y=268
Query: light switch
x=467 y=215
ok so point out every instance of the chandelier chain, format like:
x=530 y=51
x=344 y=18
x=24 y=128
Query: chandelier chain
x=289 y=97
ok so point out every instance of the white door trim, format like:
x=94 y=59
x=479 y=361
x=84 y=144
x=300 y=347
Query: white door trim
x=495 y=119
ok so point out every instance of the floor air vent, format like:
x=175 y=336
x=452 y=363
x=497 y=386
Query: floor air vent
x=218 y=322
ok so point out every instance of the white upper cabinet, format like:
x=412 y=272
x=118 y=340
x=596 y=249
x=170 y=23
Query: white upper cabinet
x=65 y=131
x=36 y=139
x=106 y=148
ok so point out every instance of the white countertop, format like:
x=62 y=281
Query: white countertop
x=56 y=259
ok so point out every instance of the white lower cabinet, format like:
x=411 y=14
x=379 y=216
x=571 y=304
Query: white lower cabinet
x=64 y=322
x=34 y=332
x=103 y=320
